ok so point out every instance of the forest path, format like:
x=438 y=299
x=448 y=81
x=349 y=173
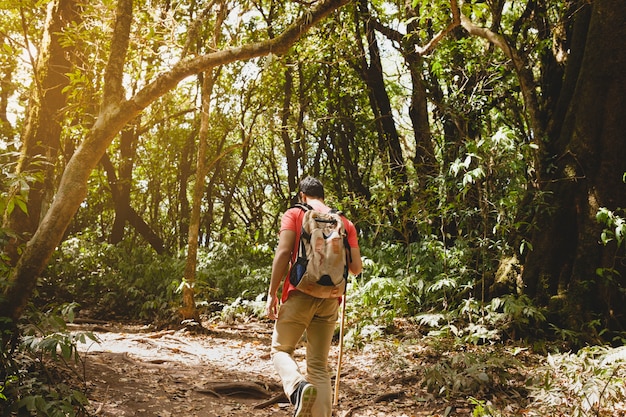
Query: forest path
x=227 y=372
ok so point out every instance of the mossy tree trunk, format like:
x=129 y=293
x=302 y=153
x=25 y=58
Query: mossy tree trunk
x=587 y=157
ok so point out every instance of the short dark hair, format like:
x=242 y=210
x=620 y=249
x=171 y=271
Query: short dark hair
x=312 y=187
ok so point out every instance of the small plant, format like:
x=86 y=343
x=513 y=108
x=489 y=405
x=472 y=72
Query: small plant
x=242 y=309
x=588 y=383
x=615 y=226
x=33 y=381
x=50 y=335
x=469 y=373
x=483 y=408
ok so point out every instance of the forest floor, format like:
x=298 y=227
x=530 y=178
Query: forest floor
x=226 y=371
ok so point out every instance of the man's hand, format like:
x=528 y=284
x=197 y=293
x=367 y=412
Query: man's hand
x=271 y=308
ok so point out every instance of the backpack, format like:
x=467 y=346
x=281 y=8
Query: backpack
x=321 y=267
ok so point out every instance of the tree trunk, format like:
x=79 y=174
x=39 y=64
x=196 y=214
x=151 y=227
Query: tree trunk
x=372 y=74
x=231 y=187
x=188 y=310
x=212 y=188
x=186 y=162
x=291 y=154
x=590 y=160
x=7 y=89
x=121 y=184
x=130 y=215
x=42 y=130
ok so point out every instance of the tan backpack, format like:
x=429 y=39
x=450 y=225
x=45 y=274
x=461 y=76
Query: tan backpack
x=321 y=267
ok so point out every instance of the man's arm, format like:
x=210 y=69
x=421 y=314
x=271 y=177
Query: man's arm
x=356 y=265
x=280 y=265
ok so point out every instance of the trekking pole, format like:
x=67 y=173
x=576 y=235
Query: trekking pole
x=338 y=376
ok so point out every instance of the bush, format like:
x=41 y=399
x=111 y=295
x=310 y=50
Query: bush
x=471 y=373
x=229 y=270
x=112 y=281
x=588 y=383
x=34 y=375
x=399 y=281
x=130 y=282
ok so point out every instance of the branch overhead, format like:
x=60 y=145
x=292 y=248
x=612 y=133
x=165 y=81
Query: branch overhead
x=278 y=46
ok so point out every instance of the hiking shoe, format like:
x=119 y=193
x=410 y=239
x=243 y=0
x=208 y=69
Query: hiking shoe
x=303 y=398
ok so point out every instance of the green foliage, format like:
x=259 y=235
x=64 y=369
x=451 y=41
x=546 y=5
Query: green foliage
x=241 y=310
x=309 y=110
x=113 y=281
x=399 y=282
x=615 y=226
x=232 y=268
x=483 y=409
x=614 y=232
x=588 y=383
x=474 y=322
x=17 y=184
x=50 y=335
x=471 y=373
x=132 y=282
x=519 y=315
x=35 y=377
x=432 y=284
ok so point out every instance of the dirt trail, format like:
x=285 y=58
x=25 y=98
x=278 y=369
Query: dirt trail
x=227 y=372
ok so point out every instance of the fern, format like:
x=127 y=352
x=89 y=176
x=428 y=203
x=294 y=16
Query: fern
x=46 y=343
x=588 y=383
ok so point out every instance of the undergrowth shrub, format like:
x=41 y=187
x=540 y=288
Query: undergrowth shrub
x=231 y=269
x=479 y=373
x=113 y=281
x=132 y=282
x=475 y=322
x=589 y=383
x=243 y=309
x=41 y=375
x=432 y=284
x=399 y=281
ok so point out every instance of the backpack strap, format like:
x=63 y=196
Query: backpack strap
x=302 y=206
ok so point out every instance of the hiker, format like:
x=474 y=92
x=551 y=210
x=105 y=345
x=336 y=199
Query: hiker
x=311 y=396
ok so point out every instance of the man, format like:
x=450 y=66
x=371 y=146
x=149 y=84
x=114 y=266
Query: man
x=299 y=312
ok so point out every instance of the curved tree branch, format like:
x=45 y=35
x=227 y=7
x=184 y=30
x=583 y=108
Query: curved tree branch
x=456 y=21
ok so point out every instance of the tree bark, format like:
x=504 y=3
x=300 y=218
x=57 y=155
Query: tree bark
x=186 y=162
x=372 y=75
x=231 y=187
x=122 y=205
x=291 y=154
x=188 y=310
x=121 y=184
x=424 y=159
x=7 y=88
x=590 y=161
x=41 y=135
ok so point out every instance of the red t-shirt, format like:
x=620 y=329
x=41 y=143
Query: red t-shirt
x=292 y=220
